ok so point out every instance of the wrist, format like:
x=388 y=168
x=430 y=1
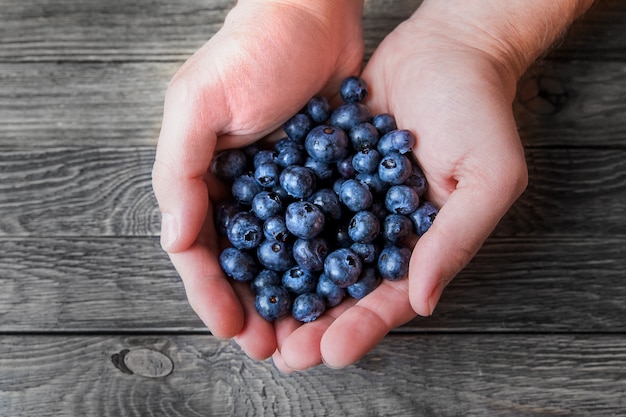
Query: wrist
x=513 y=33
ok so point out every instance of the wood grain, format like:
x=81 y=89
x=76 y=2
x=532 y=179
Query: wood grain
x=128 y=284
x=443 y=375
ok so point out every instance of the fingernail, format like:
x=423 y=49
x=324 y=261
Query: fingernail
x=169 y=231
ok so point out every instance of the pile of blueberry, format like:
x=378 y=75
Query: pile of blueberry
x=326 y=213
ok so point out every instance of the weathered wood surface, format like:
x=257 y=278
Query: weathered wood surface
x=94 y=320
x=406 y=375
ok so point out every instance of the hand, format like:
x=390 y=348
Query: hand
x=457 y=99
x=269 y=58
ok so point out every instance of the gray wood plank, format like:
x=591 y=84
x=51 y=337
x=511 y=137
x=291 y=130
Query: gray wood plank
x=128 y=284
x=421 y=375
x=107 y=191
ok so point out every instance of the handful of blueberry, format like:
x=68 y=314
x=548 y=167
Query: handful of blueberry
x=327 y=212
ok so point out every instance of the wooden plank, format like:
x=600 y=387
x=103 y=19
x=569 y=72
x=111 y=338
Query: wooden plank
x=158 y=30
x=443 y=375
x=107 y=192
x=128 y=284
x=84 y=104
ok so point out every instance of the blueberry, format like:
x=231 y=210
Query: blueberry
x=263 y=279
x=298 y=126
x=273 y=302
x=319 y=108
x=308 y=307
x=353 y=89
x=275 y=228
x=298 y=181
x=393 y=262
x=328 y=201
x=224 y=211
x=322 y=170
x=310 y=253
x=251 y=150
x=366 y=161
x=401 y=199
x=363 y=136
x=396 y=228
x=298 y=280
x=245 y=230
x=244 y=188
x=275 y=255
x=355 y=195
x=345 y=168
x=368 y=252
x=343 y=267
x=367 y=282
x=229 y=164
x=327 y=143
x=304 y=220
x=266 y=204
x=289 y=152
x=264 y=156
x=330 y=292
x=423 y=217
x=395 y=168
x=373 y=182
x=349 y=115
x=267 y=174
x=401 y=141
x=363 y=227
x=417 y=180
x=238 y=265
x=384 y=123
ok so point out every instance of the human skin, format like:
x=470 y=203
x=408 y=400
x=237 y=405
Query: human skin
x=448 y=74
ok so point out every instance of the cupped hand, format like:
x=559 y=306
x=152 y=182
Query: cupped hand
x=456 y=97
x=268 y=59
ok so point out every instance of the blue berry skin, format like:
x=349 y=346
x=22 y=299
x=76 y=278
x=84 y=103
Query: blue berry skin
x=289 y=152
x=363 y=227
x=345 y=168
x=373 y=182
x=322 y=170
x=384 y=123
x=368 y=252
x=319 y=109
x=355 y=195
x=332 y=294
x=423 y=217
x=275 y=255
x=349 y=115
x=353 y=89
x=238 y=265
x=343 y=267
x=245 y=230
x=251 y=150
x=393 y=262
x=327 y=143
x=275 y=228
x=396 y=228
x=229 y=164
x=267 y=174
x=263 y=279
x=224 y=212
x=368 y=281
x=379 y=209
x=304 y=220
x=399 y=140
x=298 y=181
x=264 y=156
x=395 y=168
x=417 y=180
x=298 y=280
x=244 y=188
x=273 y=302
x=402 y=199
x=310 y=253
x=363 y=136
x=308 y=307
x=366 y=161
x=298 y=126
x=266 y=204
x=328 y=201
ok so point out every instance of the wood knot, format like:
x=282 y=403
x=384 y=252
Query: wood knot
x=144 y=362
x=543 y=95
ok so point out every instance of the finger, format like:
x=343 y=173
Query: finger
x=362 y=326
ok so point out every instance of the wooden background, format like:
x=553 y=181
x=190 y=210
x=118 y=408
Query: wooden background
x=93 y=317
